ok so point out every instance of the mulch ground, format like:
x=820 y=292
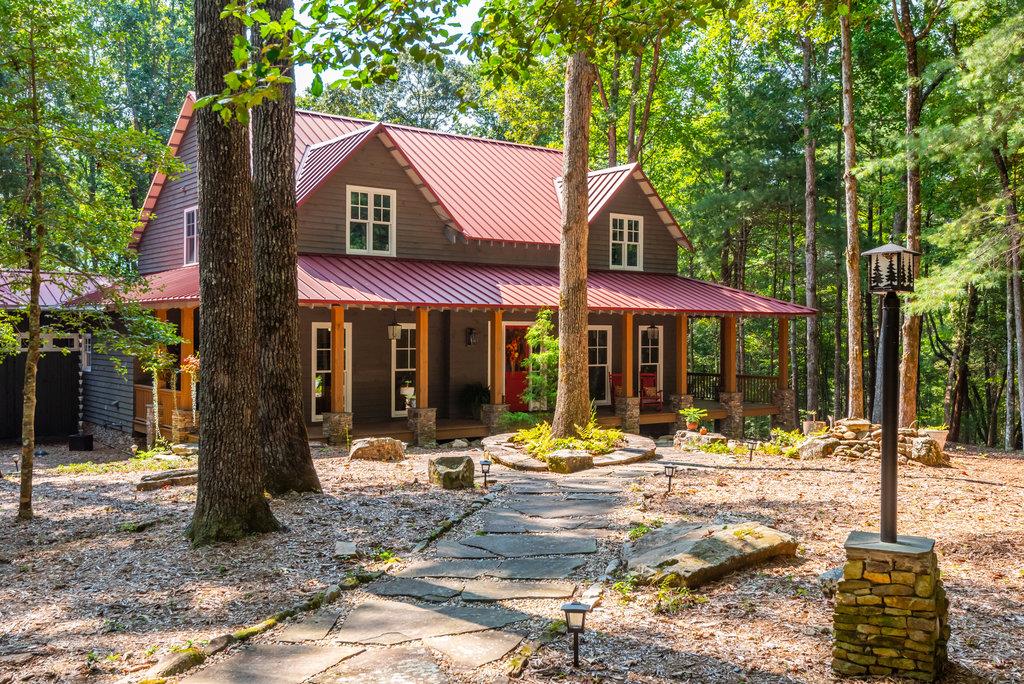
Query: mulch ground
x=83 y=597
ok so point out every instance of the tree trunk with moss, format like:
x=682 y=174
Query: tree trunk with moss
x=572 y=404
x=229 y=500
x=282 y=427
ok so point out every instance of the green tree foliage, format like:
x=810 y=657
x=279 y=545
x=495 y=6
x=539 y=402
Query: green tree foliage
x=542 y=362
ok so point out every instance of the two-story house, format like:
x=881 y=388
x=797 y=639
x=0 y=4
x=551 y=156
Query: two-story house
x=424 y=257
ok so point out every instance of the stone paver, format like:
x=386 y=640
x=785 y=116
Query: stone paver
x=510 y=522
x=556 y=507
x=312 y=627
x=536 y=568
x=470 y=651
x=403 y=665
x=492 y=590
x=465 y=569
x=433 y=590
x=451 y=549
x=522 y=545
x=273 y=664
x=392 y=622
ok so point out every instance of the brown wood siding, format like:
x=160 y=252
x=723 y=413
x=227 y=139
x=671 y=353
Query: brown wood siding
x=467 y=364
x=162 y=244
x=661 y=252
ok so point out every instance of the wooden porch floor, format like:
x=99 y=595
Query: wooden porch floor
x=456 y=428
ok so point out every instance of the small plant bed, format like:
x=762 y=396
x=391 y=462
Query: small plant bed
x=536 y=449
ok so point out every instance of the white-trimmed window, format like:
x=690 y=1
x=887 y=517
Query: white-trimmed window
x=371 y=221
x=627 y=242
x=190 y=232
x=87 y=352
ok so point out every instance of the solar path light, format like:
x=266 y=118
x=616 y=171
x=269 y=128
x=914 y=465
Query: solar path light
x=575 y=623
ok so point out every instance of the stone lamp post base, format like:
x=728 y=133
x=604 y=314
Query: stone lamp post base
x=891 y=615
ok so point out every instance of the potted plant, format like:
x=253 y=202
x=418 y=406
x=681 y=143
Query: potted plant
x=811 y=424
x=693 y=415
x=938 y=433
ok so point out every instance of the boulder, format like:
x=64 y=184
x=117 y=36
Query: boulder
x=344 y=549
x=569 y=460
x=378 y=449
x=184 y=449
x=168 y=478
x=818 y=447
x=451 y=472
x=926 y=450
x=458 y=444
x=690 y=555
x=829 y=581
x=690 y=437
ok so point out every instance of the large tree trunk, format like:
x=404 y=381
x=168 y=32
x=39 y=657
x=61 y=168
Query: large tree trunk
x=793 y=368
x=1013 y=226
x=869 y=322
x=28 y=396
x=854 y=316
x=959 y=364
x=572 y=404
x=229 y=501
x=1008 y=420
x=285 y=444
x=810 y=237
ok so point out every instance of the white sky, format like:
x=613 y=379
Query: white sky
x=464 y=18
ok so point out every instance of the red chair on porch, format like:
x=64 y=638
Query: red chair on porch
x=615 y=382
x=650 y=395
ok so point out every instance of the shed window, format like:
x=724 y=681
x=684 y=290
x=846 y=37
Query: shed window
x=626 y=244
x=191 y=233
x=371 y=221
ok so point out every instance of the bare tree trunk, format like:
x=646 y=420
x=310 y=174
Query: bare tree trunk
x=1013 y=225
x=28 y=401
x=810 y=239
x=634 y=94
x=869 y=322
x=229 y=501
x=854 y=316
x=959 y=362
x=652 y=82
x=837 y=359
x=1008 y=420
x=572 y=403
x=794 y=370
x=285 y=445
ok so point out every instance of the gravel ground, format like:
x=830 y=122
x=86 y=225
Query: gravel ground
x=92 y=601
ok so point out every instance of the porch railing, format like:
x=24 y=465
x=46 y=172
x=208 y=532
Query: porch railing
x=757 y=389
x=704 y=386
x=144 y=397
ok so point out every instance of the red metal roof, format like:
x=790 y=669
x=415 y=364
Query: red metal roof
x=321 y=159
x=57 y=290
x=383 y=282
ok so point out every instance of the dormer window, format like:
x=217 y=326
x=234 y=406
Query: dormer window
x=371 y=221
x=191 y=236
x=626 y=246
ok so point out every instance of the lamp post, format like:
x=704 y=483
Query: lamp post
x=891 y=269
x=575 y=622
x=485 y=467
x=670 y=470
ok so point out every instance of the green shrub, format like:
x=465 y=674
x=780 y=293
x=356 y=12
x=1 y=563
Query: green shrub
x=671 y=600
x=515 y=420
x=539 y=442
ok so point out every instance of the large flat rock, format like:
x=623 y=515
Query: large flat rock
x=522 y=545
x=511 y=522
x=692 y=555
x=425 y=590
x=558 y=507
x=309 y=628
x=392 y=622
x=496 y=590
x=450 y=549
x=273 y=664
x=536 y=568
x=402 y=665
x=470 y=651
x=464 y=569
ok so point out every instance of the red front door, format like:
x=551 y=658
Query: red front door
x=516 y=352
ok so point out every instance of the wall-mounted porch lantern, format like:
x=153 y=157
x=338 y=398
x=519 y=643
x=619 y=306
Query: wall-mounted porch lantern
x=394 y=331
x=470 y=337
x=652 y=332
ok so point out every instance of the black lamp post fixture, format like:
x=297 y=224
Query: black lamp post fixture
x=753 y=447
x=891 y=269
x=575 y=623
x=670 y=470
x=485 y=467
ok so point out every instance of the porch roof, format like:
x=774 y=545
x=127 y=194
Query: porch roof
x=386 y=282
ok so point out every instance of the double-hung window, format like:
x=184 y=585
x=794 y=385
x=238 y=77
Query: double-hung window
x=191 y=236
x=627 y=234
x=371 y=221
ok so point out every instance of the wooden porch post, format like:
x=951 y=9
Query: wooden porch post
x=783 y=379
x=497 y=370
x=422 y=369
x=627 y=354
x=728 y=361
x=337 y=359
x=682 y=343
x=187 y=333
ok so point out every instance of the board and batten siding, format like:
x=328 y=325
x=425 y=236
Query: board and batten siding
x=108 y=393
x=162 y=245
x=661 y=251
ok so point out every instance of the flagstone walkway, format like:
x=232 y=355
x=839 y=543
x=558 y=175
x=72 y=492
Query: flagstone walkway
x=496 y=580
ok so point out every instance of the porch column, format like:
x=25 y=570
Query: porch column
x=627 y=407
x=181 y=418
x=783 y=397
x=423 y=419
x=153 y=420
x=491 y=413
x=730 y=397
x=337 y=421
x=682 y=398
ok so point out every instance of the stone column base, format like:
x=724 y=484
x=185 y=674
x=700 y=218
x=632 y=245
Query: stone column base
x=785 y=399
x=152 y=429
x=679 y=402
x=491 y=415
x=891 y=615
x=628 y=409
x=338 y=428
x=423 y=423
x=181 y=426
x=732 y=424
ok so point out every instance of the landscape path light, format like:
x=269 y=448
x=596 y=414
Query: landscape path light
x=754 y=446
x=670 y=470
x=485 y=467
x=575 y=623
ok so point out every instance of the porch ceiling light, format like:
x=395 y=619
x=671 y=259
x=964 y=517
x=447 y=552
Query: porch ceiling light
x=575 y=623
x=394 y=331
